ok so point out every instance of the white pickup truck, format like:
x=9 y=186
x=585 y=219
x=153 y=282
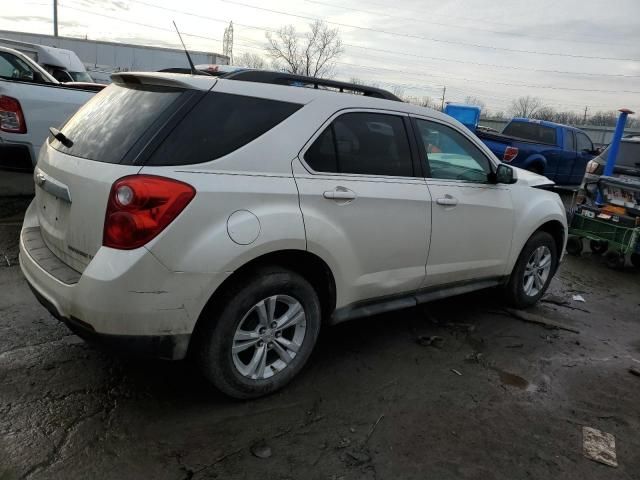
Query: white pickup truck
x=31 y=101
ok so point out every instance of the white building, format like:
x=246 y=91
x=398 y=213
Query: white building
x=101 y=59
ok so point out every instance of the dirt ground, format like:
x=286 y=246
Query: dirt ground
x=496 y=398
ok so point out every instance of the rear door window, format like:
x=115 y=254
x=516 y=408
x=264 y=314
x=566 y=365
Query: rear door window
x=533 y=132
x=109 y=124
x=218 y=125
x=363 y=143
x=569 y=141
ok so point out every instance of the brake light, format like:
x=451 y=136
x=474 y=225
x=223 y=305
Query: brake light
x=592 y=166
x=140 y=207
x=510 y=153
x=11 y=116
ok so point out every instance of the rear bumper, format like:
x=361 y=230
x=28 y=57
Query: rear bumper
x=126 y=300
x=167 y=347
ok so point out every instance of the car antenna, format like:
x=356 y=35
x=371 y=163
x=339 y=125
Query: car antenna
x=193 y=67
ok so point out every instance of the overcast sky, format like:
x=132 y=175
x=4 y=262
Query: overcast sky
x=570 y=53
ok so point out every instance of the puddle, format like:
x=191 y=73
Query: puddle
x=513 y=380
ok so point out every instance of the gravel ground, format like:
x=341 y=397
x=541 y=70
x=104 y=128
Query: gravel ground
x=496 y=398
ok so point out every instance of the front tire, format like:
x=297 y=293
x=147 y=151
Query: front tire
x=262 y=335
x=533 y=271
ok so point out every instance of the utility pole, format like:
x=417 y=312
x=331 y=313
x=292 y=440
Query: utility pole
x=55 y=18
x=584 y=119
x=444 y=91
x=227 y=42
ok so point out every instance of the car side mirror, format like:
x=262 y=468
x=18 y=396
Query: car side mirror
x=505 y=174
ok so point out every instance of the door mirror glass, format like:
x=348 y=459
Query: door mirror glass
x=505 y=174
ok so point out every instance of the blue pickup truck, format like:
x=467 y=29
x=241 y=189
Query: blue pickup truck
x=556 y=151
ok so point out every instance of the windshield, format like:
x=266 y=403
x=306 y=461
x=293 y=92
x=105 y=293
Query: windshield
x=81 y=77
x=628 y=155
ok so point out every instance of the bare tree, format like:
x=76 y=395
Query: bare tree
x=422 y=101
x=312 y=54
x=471 y=100
x=545 y=113
x=251 y=60
x=525 y=106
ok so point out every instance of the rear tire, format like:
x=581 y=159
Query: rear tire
x=598 y=247
x=574 y=245
x=245 y=347
x=533 y=271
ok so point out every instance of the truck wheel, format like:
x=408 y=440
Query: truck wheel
x=533 y=271
x=615 y=260
x=262 y=335
x=574 y=245
x=598 y=246
x=635 y=259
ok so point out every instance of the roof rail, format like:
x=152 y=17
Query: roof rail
x=281 y=78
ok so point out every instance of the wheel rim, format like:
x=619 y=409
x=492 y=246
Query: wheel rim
x=537 y=271
x=269 y=337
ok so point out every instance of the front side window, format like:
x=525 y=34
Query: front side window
x=365 y=144
x=583 y=142
x=451 y=156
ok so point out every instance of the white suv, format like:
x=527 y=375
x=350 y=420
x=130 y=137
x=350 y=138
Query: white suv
x=230 y=217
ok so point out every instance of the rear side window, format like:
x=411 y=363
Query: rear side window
x=569 y=141
x=533 y=132
x=109 y=124
x=219 y=124
x=365 y=144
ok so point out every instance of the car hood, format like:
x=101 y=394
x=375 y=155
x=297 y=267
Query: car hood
x=525 y=177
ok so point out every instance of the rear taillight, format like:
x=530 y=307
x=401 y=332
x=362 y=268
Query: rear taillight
x=510 y=153
x=592 y=166
x=11 y=116
x=140 y=207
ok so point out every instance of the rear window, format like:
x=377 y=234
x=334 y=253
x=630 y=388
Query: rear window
x=109 y=124
x=219 y=124
x=628 y=154
x=533 y=132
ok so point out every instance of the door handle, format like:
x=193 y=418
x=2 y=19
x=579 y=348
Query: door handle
x=448 y=201
x=339 y=194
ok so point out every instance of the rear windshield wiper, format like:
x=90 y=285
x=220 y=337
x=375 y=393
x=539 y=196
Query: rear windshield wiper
x=61 y=137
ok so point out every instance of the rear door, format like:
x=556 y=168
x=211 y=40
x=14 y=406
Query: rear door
x=73 y=178
x=366 y=208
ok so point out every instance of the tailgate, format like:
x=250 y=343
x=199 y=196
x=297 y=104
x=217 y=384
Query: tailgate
x=71 y=198
x=97 y=146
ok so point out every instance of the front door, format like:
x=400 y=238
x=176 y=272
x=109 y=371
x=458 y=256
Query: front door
x=472 y=219
x=366 y=209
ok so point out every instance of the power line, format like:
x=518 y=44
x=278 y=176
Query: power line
x=492 y=82
x=422 y=87
x=420 y=37
x=462 y=27
x=396 y=52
